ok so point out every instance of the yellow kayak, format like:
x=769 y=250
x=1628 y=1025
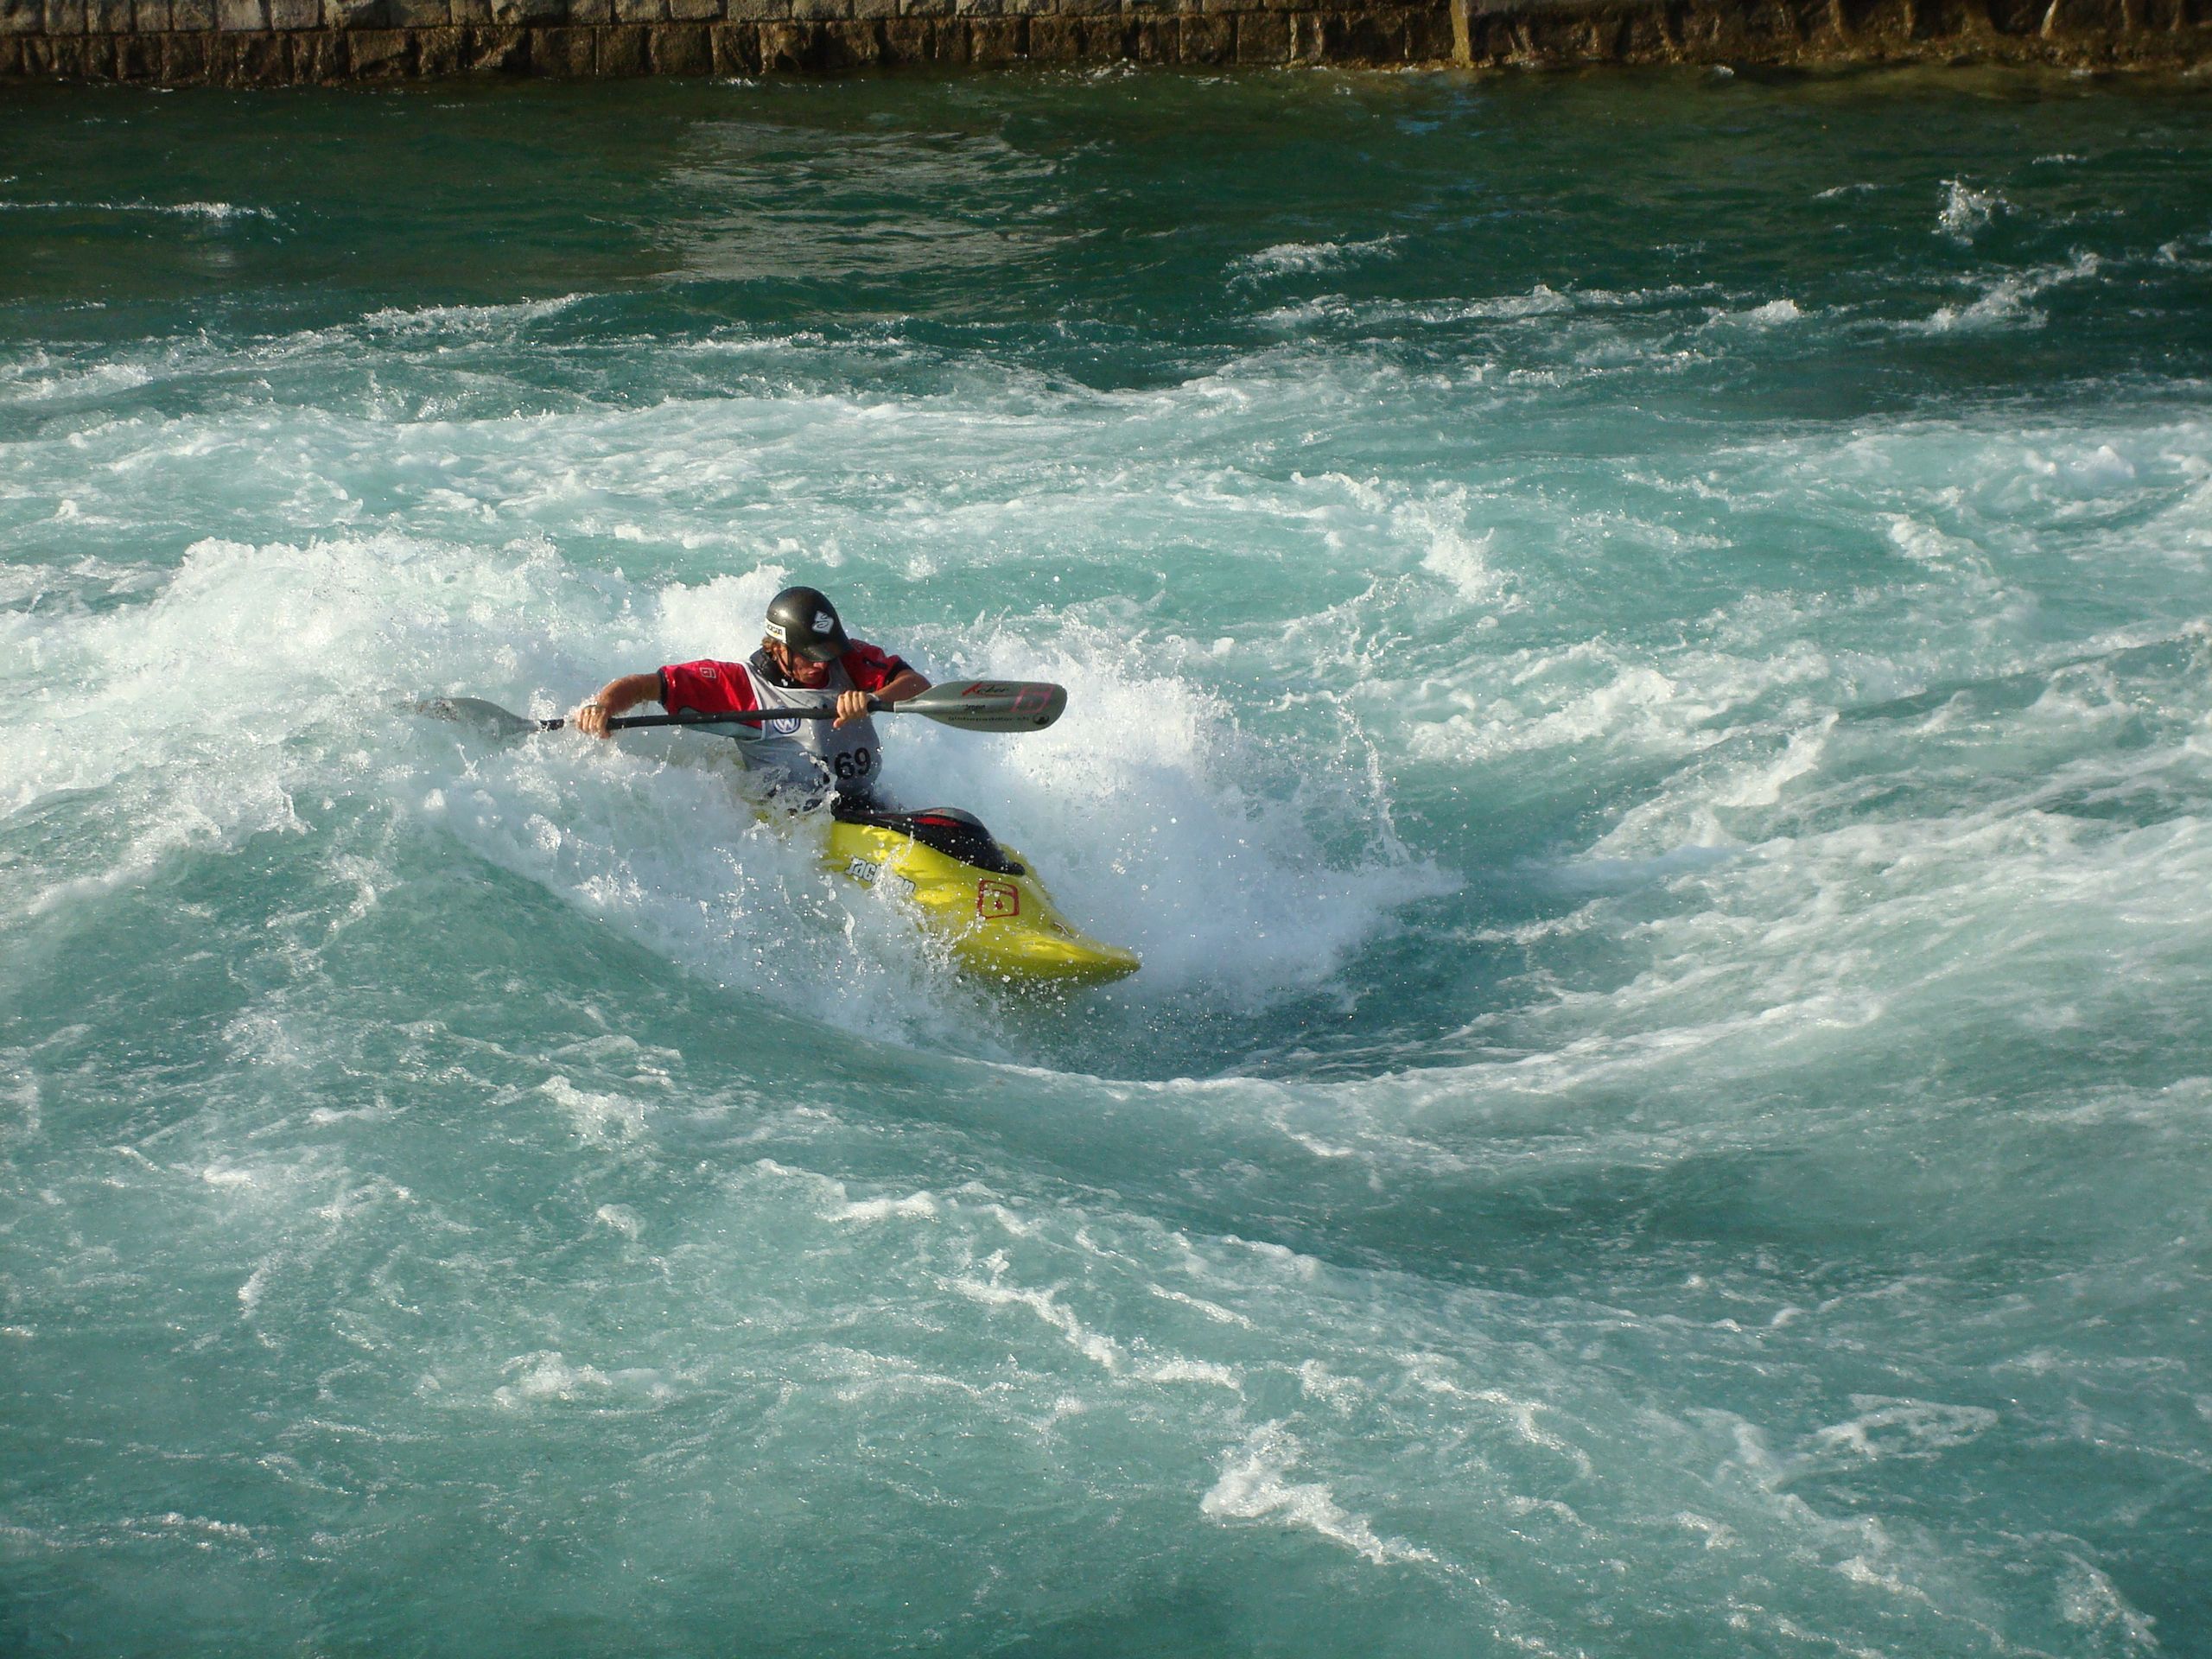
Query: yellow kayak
x=979 y=896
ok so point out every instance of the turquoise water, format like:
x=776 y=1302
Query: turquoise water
x=1639 y=658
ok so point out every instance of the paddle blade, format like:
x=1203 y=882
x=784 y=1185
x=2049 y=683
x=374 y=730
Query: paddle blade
x=487 y=717
x=991 y=705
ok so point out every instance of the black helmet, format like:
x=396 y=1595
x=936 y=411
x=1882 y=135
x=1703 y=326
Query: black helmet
x=805 y=624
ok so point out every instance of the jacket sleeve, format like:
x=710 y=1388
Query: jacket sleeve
x=707 y=687
x=872 y=668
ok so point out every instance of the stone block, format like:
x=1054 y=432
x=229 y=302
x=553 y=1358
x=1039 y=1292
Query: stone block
x=437 y=53
x=640 y=11
x=416 y=14
x=590 y=11
x=1645 y=39
x=242 y=16
x=787 y=49
x=694 y=11
x=65 y=16
x=12 y=56
x=237 y=58
x=756 y=11
x=1106 y=40
x=1055 y=40
x=997 y=40
x=988 y=7
x=351 y=14
x=1812 y=20
x=490 y=50
x=681 y=49
x=514 y=13
x=1428 y=34
x=849 y=46
x=21 y=17
x=107 y=16
x=622 y=51
x=469 y=14
x=184 y=59
x=1358 y=37
x=923 y=39
x=150 y=16
x=55 y=57
x=1263 y=37
x=736 y=48
x=2068 y=17
x=138 y=57
x=377 y=54
x=926 y=8
x=1938 y=18
x=1151 y=40
x=1573 y=37
x=820 y=11
x=1208 y=37
x=318 y=56
x=568 y=53
x=289 y=14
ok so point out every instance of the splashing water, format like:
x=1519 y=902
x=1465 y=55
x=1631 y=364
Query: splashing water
x=1639 y=676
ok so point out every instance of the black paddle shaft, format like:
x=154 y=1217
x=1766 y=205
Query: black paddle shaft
x=750 y=716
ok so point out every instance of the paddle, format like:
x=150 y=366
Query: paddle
x=973 y=706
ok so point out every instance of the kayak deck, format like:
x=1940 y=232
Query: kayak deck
x=995 y=914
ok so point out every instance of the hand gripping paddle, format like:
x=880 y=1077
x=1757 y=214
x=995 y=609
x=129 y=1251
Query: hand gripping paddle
x=972 y=705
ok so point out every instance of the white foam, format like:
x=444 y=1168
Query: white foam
x=216 y=211
x=2004 y=300
x=1967 y=212
x=1306 y=258
x=600 y=1119
x=915 y=1206
x=1773 y=314
x=1253 y=1487
x=995 y=1292
x=1917 y=1428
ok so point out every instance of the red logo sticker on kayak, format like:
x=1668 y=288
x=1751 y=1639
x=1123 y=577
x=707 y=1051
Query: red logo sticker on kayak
x=995 y=899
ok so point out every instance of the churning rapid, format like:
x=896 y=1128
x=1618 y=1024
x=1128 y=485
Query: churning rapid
x=1641 y=675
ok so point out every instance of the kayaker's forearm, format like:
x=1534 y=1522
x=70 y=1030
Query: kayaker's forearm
x=906 y=683
x=617 y=696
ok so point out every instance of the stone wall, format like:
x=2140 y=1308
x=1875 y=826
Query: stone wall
x=266 y=43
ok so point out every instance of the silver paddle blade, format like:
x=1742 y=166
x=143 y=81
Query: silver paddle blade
x=991 y=705
x=487 y=717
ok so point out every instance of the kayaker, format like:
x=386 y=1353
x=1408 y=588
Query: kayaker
x=806 y=660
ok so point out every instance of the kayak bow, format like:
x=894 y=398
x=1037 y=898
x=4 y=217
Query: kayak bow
x=978 y=895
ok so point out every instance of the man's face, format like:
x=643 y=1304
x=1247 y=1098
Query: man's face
x=805 y=670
